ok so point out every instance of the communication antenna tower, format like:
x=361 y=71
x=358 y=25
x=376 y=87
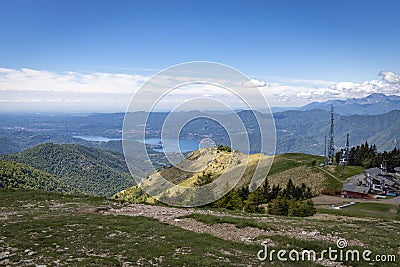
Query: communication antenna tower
x=331 y=150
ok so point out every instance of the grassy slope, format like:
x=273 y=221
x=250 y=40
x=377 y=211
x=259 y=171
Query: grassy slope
x=62 y=229
x=367 y=210
x=216 y=163
x=299 y=167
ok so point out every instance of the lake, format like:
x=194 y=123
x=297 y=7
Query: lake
x=95 y=138
x=169 y=145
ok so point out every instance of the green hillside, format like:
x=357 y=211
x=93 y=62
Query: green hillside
x=300 y=168
x=19 y=175
x=209 y=161
x=305 y=168
x=91 y=171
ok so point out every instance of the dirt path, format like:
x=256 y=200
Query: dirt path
x=172 y=216
x=337 y=200
x=393 y=201
x=330 y=174
x=225 y=231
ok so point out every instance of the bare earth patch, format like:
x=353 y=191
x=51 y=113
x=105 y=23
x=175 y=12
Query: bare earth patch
x=226 y=231
x=222 y=230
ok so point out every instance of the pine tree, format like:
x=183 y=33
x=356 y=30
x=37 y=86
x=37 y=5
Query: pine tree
x=275 y=191
x=290 y=189
x=253 y=202
x=231 y=201
x=244 y=192
x=266 y=191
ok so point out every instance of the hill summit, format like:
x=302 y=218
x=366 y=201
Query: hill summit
x=200 y=167
x=209 y=164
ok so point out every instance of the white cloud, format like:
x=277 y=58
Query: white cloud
x=389 y=85
x=110 y=89
x=100 y=89
x=38 y=100
x=390 y=77
x=207 y=95
x=254 y=83
x=42 y=80
x=297 y=92
x=316 y=83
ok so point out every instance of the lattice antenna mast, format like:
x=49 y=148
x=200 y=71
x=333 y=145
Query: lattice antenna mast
x=331 y=150
x=325 y=152
x=347 y=149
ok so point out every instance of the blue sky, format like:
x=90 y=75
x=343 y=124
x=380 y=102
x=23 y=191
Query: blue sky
x=284 y=43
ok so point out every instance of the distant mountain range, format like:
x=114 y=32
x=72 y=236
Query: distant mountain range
x=302 y=130
x=373 y=104
x=297 y=131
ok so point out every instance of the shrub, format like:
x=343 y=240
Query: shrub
x=278 y=206
x=224 y=148
x=292 y=207
x=253 y=202
x=231 y=201
x=301 y=208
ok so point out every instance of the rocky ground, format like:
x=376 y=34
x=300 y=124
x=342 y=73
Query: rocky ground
x=63 y=229
x=225 y=231
x=229 y=231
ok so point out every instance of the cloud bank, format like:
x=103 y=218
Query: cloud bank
x=389 y=85
x=42 y=80
x=99 y=91
x=390 y=77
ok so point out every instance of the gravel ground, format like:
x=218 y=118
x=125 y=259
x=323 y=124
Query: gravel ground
x=225 y=231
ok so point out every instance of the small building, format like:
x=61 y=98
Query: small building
x=355 y=191
x=381 y=182
x=375 y=181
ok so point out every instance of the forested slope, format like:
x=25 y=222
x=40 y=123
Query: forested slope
x=19 y=175
x=89 y=170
